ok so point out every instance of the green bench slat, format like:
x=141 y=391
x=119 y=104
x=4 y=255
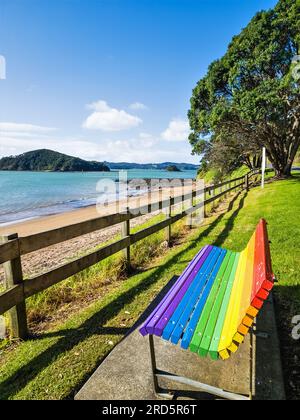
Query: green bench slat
x=214 y=346
x=214 y=314
x=200 y=303
x=198 y=334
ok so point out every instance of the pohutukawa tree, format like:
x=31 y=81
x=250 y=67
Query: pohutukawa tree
x=250 y=98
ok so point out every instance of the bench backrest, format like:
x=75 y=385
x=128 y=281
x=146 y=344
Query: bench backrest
x=214 y=302
x=263 y=276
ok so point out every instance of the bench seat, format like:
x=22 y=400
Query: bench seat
x=213 y=304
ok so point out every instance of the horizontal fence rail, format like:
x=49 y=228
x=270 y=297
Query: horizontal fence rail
x=12 y=248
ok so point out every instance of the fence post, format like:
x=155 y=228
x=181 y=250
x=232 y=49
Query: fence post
x=169 y=228
x=160 y=199
x=125 y=234
x=149 y=197
x=190 y=215
x=14 y=276
x=247 y=182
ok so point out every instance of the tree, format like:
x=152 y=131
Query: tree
x=250 y=97
x=227 y=151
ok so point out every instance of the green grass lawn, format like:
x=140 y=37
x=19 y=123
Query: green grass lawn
x=56 y=363
x=212 y=174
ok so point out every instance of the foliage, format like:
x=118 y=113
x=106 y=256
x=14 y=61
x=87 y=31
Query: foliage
x=47 y=160
x=173 y=168
x=250 y=97
x=151 y=166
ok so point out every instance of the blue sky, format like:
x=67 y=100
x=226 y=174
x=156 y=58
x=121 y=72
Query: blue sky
x=109 y=79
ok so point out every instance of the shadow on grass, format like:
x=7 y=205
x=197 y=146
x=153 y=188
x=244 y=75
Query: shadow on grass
x=230 y=223
x=66 y=333
x=94 y=325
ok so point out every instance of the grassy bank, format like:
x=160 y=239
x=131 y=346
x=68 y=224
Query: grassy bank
x=212 y=176
x=55 y=363
x=62 y=300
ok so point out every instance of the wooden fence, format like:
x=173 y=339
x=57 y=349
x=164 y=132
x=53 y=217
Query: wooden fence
x=12 y=247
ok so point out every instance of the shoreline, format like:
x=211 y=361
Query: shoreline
x=84 y=205
x=48 y=258
x=59 y=220
x=75 y=193
x=37 y=224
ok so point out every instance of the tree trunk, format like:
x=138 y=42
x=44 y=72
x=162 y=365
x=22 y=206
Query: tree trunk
x=283 y=163
x=288 y=170
x=283 y=172
x=257 y=162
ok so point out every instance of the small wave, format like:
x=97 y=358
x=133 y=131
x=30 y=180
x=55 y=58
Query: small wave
x=11 y=217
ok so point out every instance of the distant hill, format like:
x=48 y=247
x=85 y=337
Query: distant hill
x=47 y=160
x=160 y=166
x=173 y=168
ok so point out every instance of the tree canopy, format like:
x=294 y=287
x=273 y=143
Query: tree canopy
x=249 y=98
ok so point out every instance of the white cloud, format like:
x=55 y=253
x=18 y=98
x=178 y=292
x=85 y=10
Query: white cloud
x=105 y=118
x=178 y=130
x=143 y=148
x=24 y=128
x=147 y=140
x=144 y=151
x=12 y=146
x=138 y=106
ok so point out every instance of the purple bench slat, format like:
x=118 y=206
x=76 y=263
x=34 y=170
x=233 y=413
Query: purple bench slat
x=159 y=321
x=164 y=319
x=174 y=289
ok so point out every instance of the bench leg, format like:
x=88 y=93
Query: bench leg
x=208 y=389
x=157 y=389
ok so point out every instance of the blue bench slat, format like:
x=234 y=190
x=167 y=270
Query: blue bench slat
x=199 y=278
x=175 y=286
x=160 y=325
x=158 y=313
x=189 y=332
x=210 y=276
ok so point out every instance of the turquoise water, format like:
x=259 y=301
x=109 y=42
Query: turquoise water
x=27 y=195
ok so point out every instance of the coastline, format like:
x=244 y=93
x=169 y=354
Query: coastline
x=27 y=197
x=46 y=259
x=59 y=220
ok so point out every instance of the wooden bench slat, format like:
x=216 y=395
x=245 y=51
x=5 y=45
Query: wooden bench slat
x=263 y=275
x=180 y=316
x=199 y=331
x=172 y=291
x=213 y=350
x=189 y=332
x=248 y=280
x=256 y=276
x=213 y=306
x=230 y=324
x=177 y=299
x=196 y=264
x=215 y=311
x=197 y=303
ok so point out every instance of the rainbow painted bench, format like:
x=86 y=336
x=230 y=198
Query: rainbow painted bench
x=213 y=304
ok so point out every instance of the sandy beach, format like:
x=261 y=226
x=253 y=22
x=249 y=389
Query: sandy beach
x=48 y=258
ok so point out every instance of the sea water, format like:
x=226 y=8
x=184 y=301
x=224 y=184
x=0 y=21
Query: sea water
x=28 y=195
